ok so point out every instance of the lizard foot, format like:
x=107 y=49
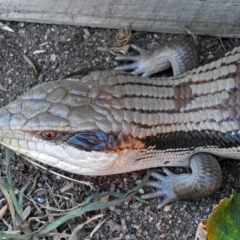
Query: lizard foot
x=165 y=186
x=205 y=179
x=144 y=64
x=180 y=54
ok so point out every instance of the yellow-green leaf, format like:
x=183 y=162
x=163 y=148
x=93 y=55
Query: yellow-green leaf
x=224 y=222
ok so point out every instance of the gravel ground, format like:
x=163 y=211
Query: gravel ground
x=66 y=51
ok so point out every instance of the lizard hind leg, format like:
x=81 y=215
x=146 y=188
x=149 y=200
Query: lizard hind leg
x=205 y=179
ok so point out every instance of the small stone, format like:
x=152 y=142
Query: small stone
x=141 y=191
x=167 y=208
x=40 y=200
x=53 y=57
x=112 y=187
x=136 y=205
x=162 y=236
x=210 y=56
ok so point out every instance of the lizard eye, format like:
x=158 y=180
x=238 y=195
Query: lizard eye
x=49 y=135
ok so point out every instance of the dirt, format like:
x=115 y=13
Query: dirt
x=66 y=51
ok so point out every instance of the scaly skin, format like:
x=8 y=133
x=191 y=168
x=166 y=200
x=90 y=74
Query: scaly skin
x=109 y=122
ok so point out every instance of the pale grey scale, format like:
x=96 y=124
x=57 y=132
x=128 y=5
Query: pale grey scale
x=29 y=94
x=232 y=68
x=94 y=75
x=56 y=96
x=15 y=107
x=202 y=76
x=33 y=123
x=207 y=88
x=216 y=74
x=108 y=90
x=137 y=117
x=166 y=105
x=205 y=67
x=75 y=87
x=77 y=114
x=147 y=81
x=95 y=90
x=103 y=80
x=106 y=94
x=214 y=86
x=138 y=89
x=48 y=87
x=128 y=116
x=147 y=91
x=30 y=109
x=120 y=90
x=230 y=84
x=236 y=57
x=7 y=133
x=218 y=63
x=235 y=125
x=39 y=93
x=204 y=102
x=127 y=128
x=198 y=70
x=182 y=80
x=24 y=143
x=145 y=105
x=130 y=90
x=102 y=102
x=224 y=96
x=116 y=126
x=235 y=50
x=133 y=79
x=168 y=93
x=122 y=79
x=218 y=115
x=42 y=120
x=54 y=121
x=86 y=79
x=218 y=98
x=224 y=70
x=75 y=100
x=224 y=60
x=138 y=102
x=209 y=75
x=222 y=84
x=105 y=125
x=17 y=120
x=135 y=131
x=230 y=59
x=106 y=73
x=195 y=78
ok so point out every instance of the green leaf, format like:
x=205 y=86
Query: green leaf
x=224 y=222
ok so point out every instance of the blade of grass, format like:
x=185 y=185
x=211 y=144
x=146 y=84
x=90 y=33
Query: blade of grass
x=87 y=206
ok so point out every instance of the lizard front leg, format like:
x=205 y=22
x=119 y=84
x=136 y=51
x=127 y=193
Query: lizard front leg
x=180 y=54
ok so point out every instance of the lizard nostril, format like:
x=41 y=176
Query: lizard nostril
x=49 y=135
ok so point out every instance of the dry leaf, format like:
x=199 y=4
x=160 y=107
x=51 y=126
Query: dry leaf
x=5 y=27
x=30 y=64
x=86 y=33
x=123 y=36
x=201 y=234
x=39 y=51
x=3 y=211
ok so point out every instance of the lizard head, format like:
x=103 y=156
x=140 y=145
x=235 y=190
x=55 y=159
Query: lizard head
x=66 y=123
